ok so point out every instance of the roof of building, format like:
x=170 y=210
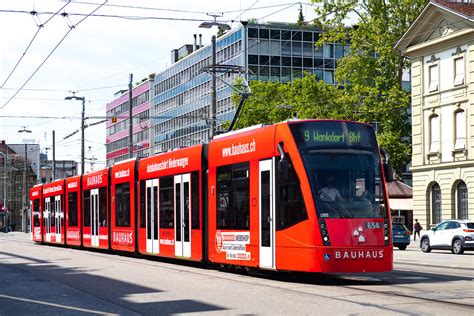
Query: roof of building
x=436 y=11
x=398 y=189
x=463 y=8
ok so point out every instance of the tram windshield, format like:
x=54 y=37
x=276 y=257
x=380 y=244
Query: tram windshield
x=343 y=165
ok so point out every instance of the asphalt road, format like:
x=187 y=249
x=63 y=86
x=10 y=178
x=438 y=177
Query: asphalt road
x=37 y=279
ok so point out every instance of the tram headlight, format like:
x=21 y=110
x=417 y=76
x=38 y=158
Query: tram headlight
x=386 y=232
x=324 y=232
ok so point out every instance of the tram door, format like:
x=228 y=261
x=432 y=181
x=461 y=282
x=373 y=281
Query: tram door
x=47 y=222
x=267 y=214
x=152 y=220
x=58 y=215
x=182 y=210
x=95 y=220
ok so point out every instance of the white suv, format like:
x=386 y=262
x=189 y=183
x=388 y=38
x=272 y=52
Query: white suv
x=452 y=234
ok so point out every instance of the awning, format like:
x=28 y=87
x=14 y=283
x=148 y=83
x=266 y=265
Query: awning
x=401 y=204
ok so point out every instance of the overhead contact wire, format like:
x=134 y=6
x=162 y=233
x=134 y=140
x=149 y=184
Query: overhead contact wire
x=49 y=55
x=31 y=42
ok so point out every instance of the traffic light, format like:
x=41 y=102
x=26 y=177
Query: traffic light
x=114 y=119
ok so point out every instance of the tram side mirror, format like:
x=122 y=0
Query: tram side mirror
x=388 y=170
x=387 y=166
x=283 y=170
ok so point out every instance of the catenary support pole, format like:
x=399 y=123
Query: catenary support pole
x=53 y=176
x=130 y=118
x=82 y=135
x=212 y=111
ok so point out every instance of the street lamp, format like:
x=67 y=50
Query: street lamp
x=24 y=130
x=212 y=112
x=83 y=99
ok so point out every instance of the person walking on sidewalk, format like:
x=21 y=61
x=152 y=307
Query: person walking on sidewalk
x=417 y=228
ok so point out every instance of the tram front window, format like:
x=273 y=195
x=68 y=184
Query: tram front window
x=343 y=165
x=345 y=185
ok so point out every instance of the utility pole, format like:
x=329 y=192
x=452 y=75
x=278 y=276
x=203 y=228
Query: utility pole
x=53 y=175
x=25 y=199
x=212 y=111
x=5 y=175
x=130 y=118
x=82 y=134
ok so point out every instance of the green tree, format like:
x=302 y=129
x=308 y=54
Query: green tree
x=272 y=102
x=300 y=22
x=371 y=70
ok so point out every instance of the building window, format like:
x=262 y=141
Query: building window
x=459 y=129
x=461 y=200
x=434 y=133
x=459 y=71
x=433 y=78
x=436 y=203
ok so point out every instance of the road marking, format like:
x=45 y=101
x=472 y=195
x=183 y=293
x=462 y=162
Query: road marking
x=55 y=305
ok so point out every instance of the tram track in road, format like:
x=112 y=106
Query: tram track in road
x=285 y=281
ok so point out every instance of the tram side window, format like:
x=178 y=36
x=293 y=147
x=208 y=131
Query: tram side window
x=291 y=209
x=233 y=197
x=195 y=199
x=72 y=208
x=36 y=210
x=122 y=205
x=103 y=207
x=142 y=204
x=87 y=208
x=166 y=203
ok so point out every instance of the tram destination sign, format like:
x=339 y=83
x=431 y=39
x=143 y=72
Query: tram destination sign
x=333 y=134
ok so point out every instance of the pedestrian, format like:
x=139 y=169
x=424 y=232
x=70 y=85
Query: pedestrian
x=417 y=228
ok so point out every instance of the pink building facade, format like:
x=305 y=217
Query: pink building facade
x=117 y=127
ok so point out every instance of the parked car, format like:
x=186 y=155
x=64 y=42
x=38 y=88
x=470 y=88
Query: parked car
x=456 y=235
x=401 y=236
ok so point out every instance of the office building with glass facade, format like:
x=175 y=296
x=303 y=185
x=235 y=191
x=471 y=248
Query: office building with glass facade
x=173 y=108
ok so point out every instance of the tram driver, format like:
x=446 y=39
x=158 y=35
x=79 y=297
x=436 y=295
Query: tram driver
x=330 y=193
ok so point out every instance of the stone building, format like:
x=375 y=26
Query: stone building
x=440 y=43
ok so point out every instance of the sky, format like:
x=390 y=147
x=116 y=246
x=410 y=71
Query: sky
x=95 y=57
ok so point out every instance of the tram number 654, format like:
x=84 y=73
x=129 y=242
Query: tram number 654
x=373 y=225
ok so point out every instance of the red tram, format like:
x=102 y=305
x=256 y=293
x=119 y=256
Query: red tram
x=295 y=196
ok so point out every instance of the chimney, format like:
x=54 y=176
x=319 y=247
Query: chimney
x=200 y=40
x=195 y=43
